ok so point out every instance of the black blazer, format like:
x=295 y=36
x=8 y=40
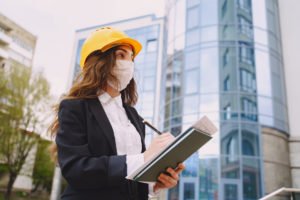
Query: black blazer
x=87 y=153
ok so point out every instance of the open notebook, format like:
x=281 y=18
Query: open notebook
x=184 y=145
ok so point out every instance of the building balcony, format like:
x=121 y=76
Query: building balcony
x=4 y=38
x=3 y=54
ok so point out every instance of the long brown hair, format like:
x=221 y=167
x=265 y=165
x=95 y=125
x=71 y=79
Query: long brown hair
x=90 y=82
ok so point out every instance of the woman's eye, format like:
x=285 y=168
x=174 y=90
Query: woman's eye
x=120 y=55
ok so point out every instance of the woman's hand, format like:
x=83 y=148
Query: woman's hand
x=157 y=144
x=168 y=181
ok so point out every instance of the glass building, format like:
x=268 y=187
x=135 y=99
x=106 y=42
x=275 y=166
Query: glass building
x=223 y=59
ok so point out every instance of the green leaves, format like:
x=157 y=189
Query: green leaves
x=24 y=96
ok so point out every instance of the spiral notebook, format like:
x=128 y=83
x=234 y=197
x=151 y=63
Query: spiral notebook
x=184 y=145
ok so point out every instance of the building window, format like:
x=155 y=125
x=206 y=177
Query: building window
x=189 y=191
x=246 y=53
x=151 y=45
x=189 y=104
x=193 y=17
x=232 y=149
x=249 y=109
x=248 y=149
x=191 y=81
x=247 y=81
x=227 y=83
x=149 y=83
x=176 y=79
x=192 y=37
x=245 y=5
x=225 y=57
x=191 y=3
x=2 y=30
x=192 y=59
x=227 y=112
x=22 y=44
x=224 y=8
x=225 y=30
x=245 y=26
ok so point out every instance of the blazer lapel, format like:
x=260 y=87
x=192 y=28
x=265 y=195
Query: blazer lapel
x=103 y=122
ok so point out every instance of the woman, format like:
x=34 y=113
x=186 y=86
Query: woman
x=99 y=134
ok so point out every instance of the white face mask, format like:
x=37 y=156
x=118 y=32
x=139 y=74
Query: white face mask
x=123 y=70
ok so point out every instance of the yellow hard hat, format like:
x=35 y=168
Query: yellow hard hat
x=105 y=38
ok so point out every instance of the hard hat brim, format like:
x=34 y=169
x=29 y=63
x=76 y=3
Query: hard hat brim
x=136 y=45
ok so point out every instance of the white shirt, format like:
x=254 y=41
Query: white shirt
x=128 y=140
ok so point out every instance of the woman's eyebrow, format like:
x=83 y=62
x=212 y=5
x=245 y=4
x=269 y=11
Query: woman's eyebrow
x=130 y=52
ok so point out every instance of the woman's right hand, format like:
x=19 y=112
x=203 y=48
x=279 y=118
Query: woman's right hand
x=157 y=144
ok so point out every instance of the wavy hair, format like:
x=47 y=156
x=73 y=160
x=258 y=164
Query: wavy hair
x=90 y=82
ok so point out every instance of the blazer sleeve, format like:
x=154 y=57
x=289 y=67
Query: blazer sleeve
x=78 y=166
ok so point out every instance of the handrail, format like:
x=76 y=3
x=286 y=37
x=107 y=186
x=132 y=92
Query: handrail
x=283 y=189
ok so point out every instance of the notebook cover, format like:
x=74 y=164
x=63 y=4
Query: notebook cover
x=194 y=140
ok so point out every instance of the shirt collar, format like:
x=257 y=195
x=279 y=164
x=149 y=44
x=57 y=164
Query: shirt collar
x=105 y=98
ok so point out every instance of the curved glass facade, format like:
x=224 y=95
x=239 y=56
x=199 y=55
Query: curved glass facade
x=223 y=59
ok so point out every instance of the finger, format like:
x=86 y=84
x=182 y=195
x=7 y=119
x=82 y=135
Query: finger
x=173 y=173
x=164 y=143
x=165 y=139
x=180 y=167
x=167 y=134
x=168 y=181
x=171 y=136
x=179 y=170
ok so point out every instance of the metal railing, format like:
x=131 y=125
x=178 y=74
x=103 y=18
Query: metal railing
x=291 y=193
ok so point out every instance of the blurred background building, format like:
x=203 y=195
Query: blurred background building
x=17 y=47
x=233 y=61
x=224 y=59
x=290 y=32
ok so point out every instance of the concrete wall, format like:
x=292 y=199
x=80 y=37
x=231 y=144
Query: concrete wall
x=276 y=160
x=295 y=161
x=290 y=31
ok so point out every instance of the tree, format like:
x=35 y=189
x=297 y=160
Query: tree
x=23 y=97
x=43 y=167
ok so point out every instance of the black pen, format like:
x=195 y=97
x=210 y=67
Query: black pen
x=152 y=127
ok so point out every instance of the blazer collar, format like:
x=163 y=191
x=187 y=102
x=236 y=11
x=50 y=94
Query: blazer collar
x=103 y=121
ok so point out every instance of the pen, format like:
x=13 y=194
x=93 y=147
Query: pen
x=152 y=127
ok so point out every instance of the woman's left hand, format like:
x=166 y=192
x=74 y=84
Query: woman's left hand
x=168 y=181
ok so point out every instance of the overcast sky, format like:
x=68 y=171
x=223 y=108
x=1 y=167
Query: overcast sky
x=54 y=23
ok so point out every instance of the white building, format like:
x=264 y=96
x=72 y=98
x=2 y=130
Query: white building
x=290 y=31
x=17 y=47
